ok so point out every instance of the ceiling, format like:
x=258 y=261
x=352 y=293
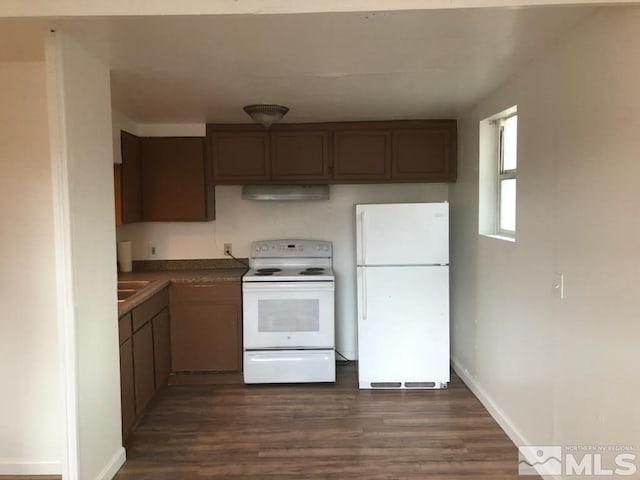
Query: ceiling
x=324 y=66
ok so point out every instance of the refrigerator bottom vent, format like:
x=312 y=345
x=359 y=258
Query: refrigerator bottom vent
x=386 y=384
x=416 y=385
x=420 y=384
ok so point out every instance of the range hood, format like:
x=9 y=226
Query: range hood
x=285 y=192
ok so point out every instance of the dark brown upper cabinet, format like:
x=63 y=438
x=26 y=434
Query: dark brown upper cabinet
x=424 y=152
x=128 y=180
x=299 y=155
x=239 y=156
x=361 y=155
x=346 y=152
x=174 y=180
x=244 y=154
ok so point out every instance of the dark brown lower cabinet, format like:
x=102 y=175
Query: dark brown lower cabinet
x=127 y=388
x=162 y=347
x=206 y=332
x=206 y=338
x=143 y=372
x=145 y=356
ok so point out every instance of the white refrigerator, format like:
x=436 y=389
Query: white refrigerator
x=403 y=295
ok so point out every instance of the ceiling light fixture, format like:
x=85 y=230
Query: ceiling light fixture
x=266 y=114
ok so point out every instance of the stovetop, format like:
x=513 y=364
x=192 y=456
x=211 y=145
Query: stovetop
x=290 y=261
x=289 y=274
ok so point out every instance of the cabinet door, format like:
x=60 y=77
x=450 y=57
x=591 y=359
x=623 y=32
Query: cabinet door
x=425 y=153
x=162 y=347
x=117 y=191
x=239 y=157
x=205 y=337
x=362 y=155
x=299 y=156
x=127 y=388
x=129 y=178
x=144 y=376
x=144 y=312
x=175 y=186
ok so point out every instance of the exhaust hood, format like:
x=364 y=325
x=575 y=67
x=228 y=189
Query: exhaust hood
x=285 y=192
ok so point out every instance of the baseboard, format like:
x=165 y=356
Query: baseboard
x=14 y=467
x=494 y=410
x=111 y=468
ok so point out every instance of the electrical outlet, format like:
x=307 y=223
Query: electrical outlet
x=227 y=249
x=154 y=251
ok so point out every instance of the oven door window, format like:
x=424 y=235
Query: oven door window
x=289 y=315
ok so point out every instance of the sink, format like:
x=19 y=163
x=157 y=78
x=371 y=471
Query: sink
x=124 y=293
x=127 y=288
x=132 y=284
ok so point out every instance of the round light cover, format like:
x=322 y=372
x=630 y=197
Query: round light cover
x=266 y=114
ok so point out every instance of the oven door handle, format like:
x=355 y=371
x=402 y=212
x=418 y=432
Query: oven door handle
x=290 y=286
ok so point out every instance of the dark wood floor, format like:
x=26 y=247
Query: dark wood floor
x=318 y=432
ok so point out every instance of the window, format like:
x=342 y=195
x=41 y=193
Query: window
x=498 y=175
x=508 y=155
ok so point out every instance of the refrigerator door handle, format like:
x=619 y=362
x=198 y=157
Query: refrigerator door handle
x=363 y=238
x=364 y=294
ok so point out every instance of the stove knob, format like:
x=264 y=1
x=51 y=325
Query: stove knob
x=326 y=248
x=318 y=248
x=257 y=248
x=264 y=248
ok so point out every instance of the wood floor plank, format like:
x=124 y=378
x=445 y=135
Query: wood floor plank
x=287 y=432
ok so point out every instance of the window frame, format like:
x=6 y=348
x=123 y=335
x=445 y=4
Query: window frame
x=503 y=174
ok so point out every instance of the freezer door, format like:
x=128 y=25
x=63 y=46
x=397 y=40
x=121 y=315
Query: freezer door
x=403 y=327
x=403 y=234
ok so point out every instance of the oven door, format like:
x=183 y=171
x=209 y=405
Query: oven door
x=288 y=315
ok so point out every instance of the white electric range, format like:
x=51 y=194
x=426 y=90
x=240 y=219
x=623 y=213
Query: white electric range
x=288 y=312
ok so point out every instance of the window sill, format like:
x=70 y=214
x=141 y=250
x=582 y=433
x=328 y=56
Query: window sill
x=500 y=237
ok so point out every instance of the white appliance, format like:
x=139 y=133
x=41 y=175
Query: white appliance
x=403 y=295
x=288 y=312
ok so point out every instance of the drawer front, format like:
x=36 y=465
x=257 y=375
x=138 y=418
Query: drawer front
x=149 y=309
x=124 y=327
x=209 y=292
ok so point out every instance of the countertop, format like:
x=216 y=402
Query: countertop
x=162 y=279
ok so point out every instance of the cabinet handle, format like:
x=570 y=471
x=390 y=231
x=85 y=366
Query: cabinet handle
x=364 y=294
x=363 y=237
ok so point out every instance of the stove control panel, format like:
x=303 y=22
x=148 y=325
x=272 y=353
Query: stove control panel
x=291 y=248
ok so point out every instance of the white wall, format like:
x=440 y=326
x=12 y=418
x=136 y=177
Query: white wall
x=241 y=221
x=559 y=372
x=84 y=174
x=30 y=432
